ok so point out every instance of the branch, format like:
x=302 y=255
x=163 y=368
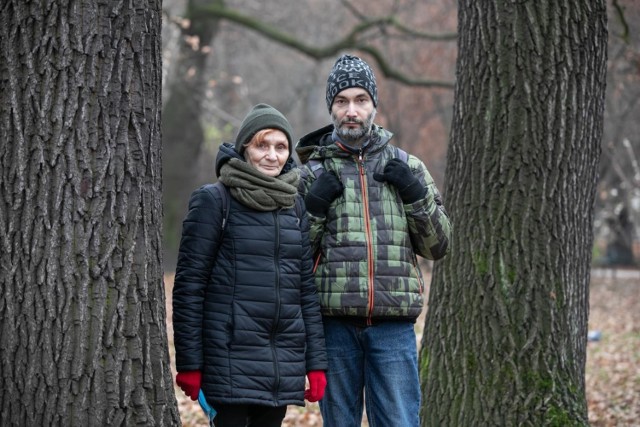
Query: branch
x=349 y=41
x=394 y=23
x=620 y=14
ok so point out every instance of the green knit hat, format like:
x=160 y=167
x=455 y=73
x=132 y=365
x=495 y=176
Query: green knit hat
x=262 y=116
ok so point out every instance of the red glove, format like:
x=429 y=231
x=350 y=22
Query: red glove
x=189 y=382
x=317 y=383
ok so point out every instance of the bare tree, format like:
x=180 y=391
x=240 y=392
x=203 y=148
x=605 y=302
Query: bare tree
x=618 y=203
x=505 y=333
x=83 y=336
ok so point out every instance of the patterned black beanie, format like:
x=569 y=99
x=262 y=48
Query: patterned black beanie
x=262 y=116
x=351 y=71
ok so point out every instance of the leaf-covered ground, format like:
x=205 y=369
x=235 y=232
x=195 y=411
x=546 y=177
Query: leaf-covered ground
x=613 y=362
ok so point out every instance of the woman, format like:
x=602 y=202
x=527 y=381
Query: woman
x=246 y=316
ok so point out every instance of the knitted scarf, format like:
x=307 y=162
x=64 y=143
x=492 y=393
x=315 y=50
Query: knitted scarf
x=258 y=191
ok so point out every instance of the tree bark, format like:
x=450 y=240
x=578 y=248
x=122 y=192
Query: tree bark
x=505 y=332
x=83 y=337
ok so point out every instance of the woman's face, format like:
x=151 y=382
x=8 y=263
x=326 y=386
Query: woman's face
x=268 y=152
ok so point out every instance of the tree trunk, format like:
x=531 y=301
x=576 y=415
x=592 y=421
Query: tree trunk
x=505 y=333
x=83 y=338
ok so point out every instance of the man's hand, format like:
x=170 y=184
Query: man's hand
x=323 y=191
x=397 y=173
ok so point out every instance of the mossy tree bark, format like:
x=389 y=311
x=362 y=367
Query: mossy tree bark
x=83 y=338
x=505 y=332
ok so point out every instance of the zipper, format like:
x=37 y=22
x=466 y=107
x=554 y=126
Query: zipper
x=368 y=237
x=368 y=234
x=317 y=262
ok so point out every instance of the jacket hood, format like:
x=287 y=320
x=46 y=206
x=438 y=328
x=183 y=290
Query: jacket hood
x=309 y=142
x=318 y=139
x=227 y=152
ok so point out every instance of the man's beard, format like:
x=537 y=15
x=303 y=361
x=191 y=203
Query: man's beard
x=351 y=135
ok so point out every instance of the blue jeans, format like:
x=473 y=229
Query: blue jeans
x=380 y=360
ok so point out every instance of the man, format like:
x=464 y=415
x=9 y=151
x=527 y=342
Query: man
x=372 y=209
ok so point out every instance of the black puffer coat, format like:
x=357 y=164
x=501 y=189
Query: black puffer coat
x=248 y=318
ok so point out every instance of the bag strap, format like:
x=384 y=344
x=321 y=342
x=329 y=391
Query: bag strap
x=402 y=155
x=317 y=167
x=225 y=197
x=298 y=207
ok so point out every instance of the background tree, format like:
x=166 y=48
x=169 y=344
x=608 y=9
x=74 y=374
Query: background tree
x=617 y=223
x=505 y=333
x=183 y=132
x=82 y=308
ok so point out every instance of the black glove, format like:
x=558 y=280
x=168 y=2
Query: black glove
x=397 y=173
x=323 y=191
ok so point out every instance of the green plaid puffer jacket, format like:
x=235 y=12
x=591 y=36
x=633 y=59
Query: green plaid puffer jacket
x=365 y=248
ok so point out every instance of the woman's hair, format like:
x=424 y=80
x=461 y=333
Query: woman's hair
x=260 y=136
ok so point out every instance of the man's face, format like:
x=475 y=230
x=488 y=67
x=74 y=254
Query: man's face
x=352 y=114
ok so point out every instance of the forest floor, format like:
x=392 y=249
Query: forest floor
x=613 y=361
